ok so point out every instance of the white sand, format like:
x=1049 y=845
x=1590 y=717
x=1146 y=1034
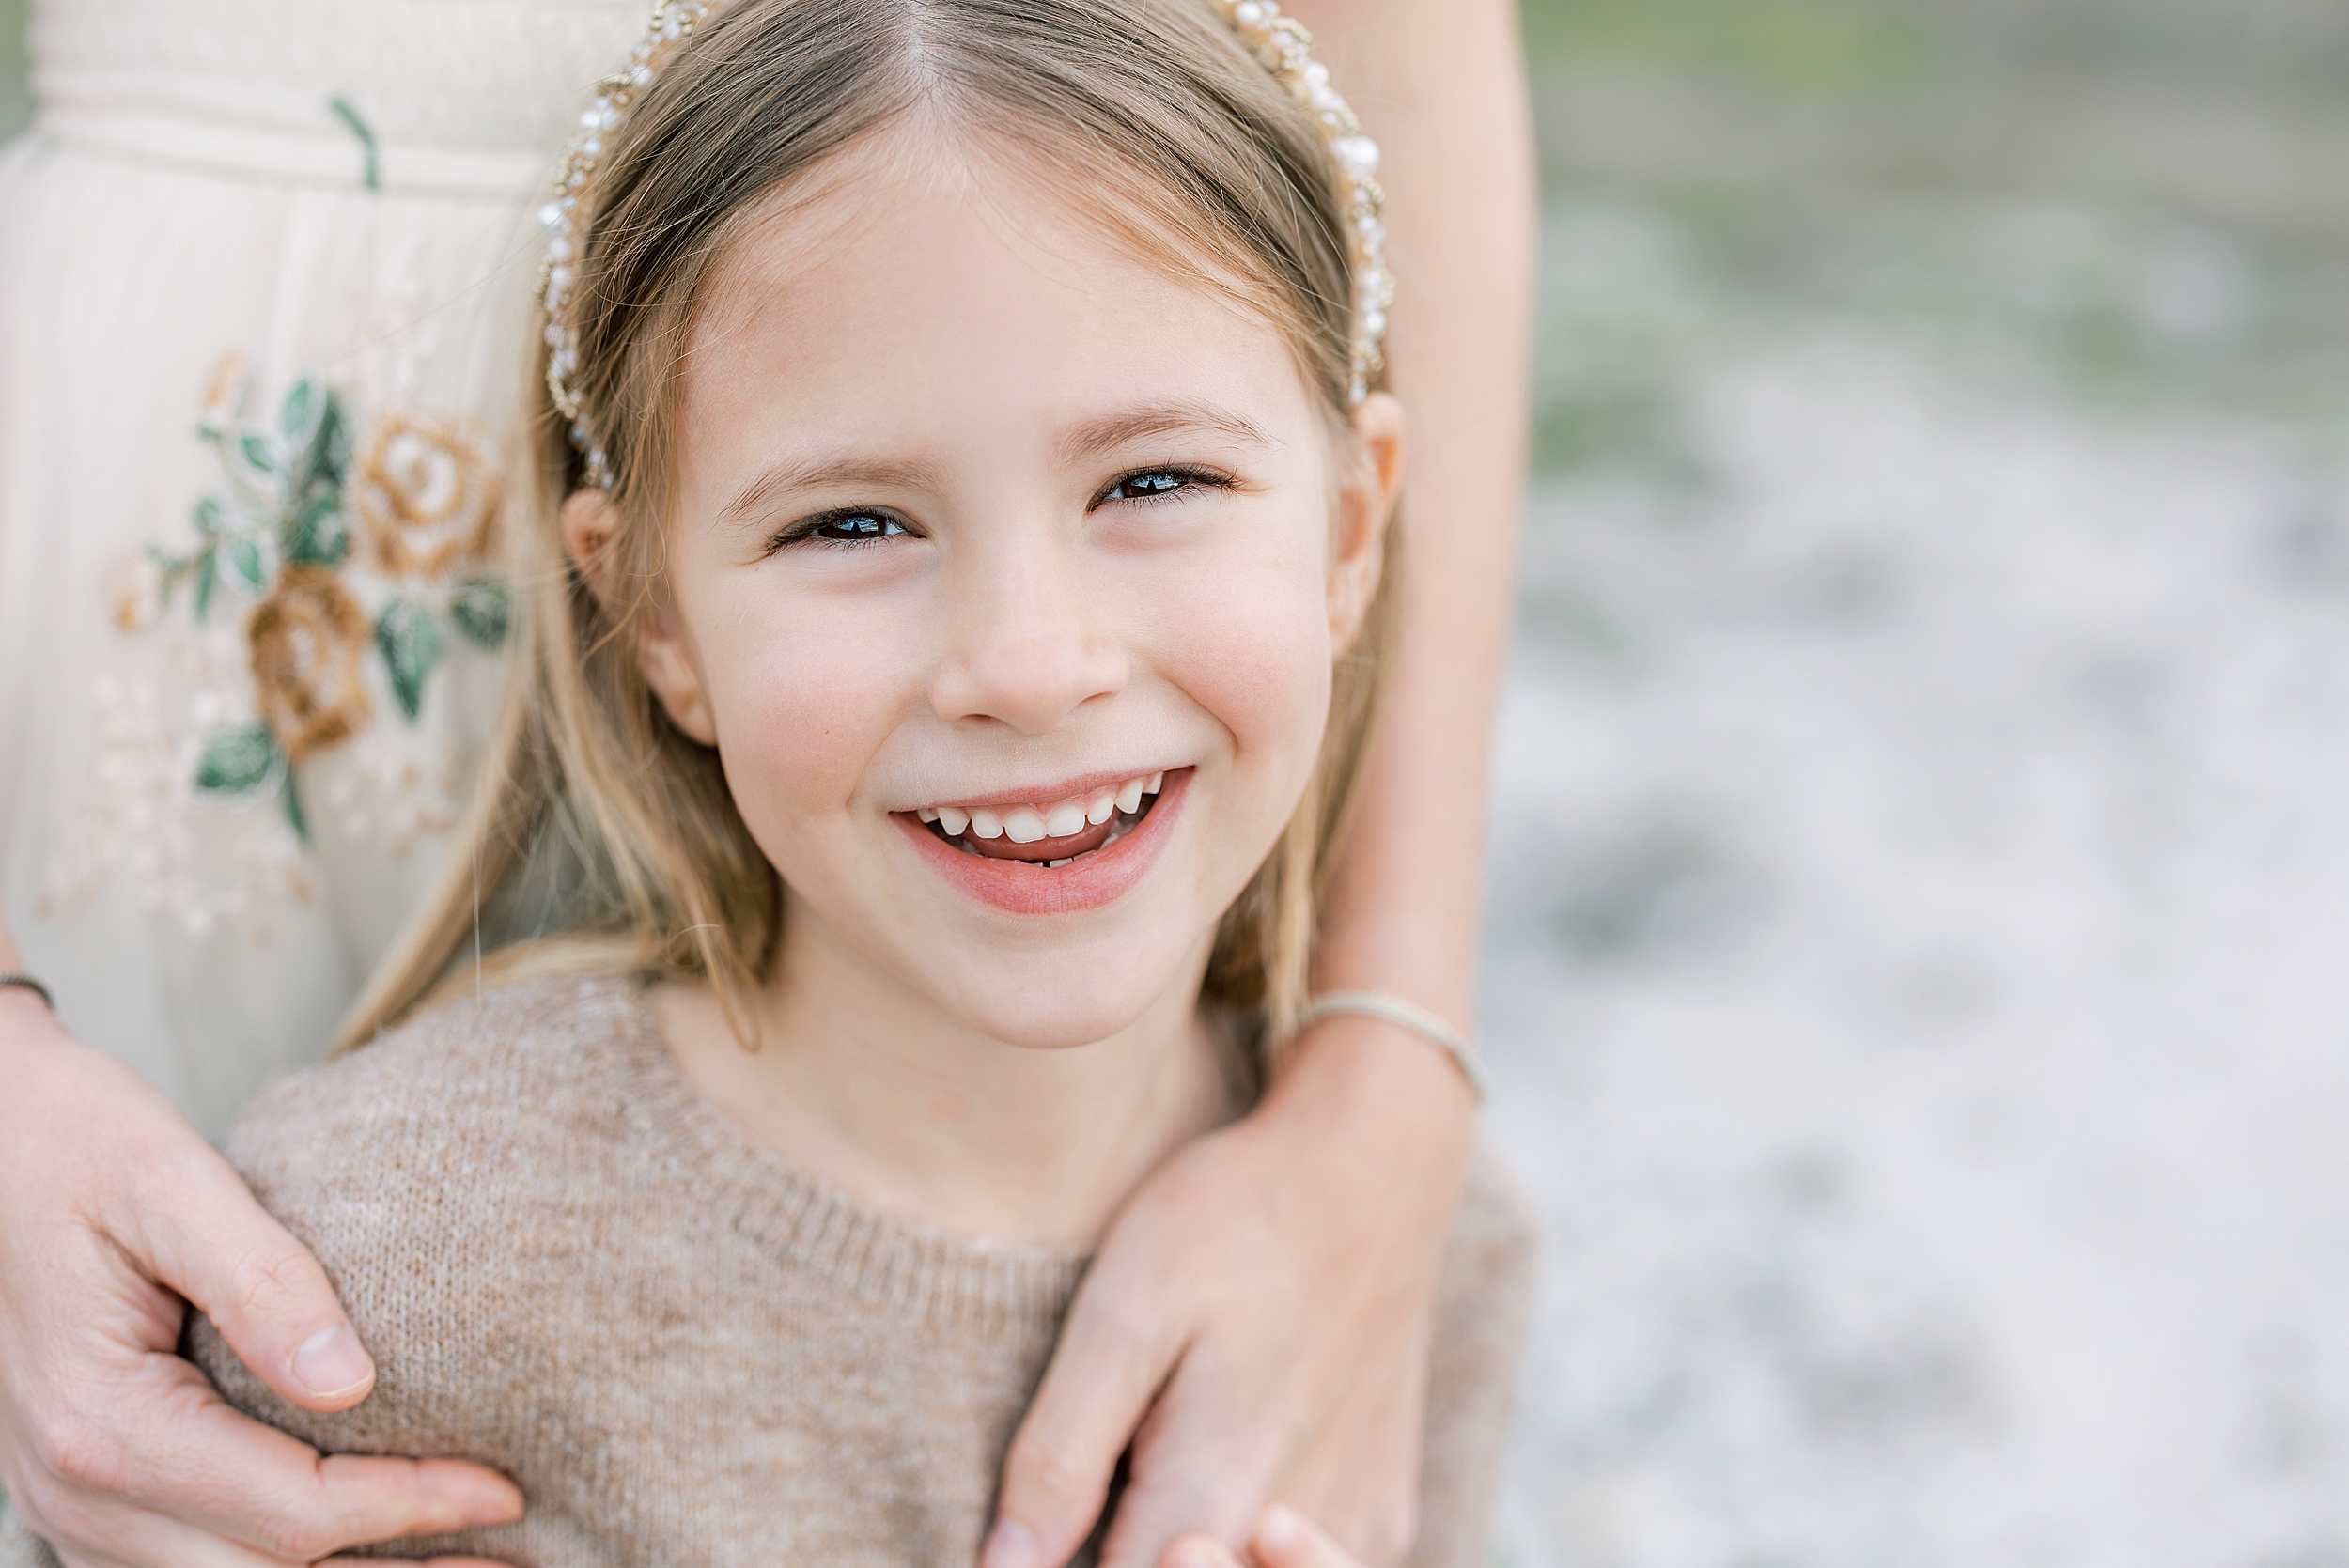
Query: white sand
x=1919 y=983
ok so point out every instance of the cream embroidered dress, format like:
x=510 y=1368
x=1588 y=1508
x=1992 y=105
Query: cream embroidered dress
x=265 y=271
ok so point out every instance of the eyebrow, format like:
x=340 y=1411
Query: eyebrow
x=1076 y=444
x=1095 y=437
x=755 y=498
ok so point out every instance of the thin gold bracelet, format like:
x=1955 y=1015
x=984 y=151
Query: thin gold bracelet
x=1403 y=1015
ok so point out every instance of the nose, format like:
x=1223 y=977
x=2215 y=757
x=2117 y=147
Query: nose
x=1026 y=647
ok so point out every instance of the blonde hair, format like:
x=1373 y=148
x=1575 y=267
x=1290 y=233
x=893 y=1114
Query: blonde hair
x=602 y=838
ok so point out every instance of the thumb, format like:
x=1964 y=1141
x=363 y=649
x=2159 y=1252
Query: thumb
x=200 y=1233
x=1103 y=1375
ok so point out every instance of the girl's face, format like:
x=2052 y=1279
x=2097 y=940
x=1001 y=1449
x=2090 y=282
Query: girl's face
x=981 y=525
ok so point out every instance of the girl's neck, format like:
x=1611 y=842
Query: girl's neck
x=872 y=1090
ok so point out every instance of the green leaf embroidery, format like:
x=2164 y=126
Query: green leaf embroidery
x=237 y=760
x=245 y=566
x=317 y=534
x=294 y=413
x=294 y=818
x=412 y=645
x=310 y=422
x=481 y=608
x=333 y=443
x=208 y=518
x=257 y=453
x=206 y=573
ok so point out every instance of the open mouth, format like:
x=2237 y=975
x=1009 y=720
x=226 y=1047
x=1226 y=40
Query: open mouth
x=1047 y=836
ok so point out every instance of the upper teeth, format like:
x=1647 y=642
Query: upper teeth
x=1059 y=819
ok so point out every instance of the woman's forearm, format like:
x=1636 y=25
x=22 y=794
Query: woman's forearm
x=1443 y=88
x=1280 y=1348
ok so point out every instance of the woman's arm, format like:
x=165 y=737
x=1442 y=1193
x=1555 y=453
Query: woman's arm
x=114 y=1215
x=1257 y=1323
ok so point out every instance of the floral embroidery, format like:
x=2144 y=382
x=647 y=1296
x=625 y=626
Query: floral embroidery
x=313 y=560
x=307 y=639
x=396 y=797
x=427 y=492
x=136 y=586
x=141 y=818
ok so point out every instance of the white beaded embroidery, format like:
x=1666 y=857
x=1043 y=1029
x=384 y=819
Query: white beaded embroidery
x=1280 y=42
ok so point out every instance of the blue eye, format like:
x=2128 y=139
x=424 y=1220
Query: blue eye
x=842 y=528
x=1152 y=484
x=858 y=525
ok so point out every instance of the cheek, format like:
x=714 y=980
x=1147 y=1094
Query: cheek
x=796 y=716
x=1250 y=644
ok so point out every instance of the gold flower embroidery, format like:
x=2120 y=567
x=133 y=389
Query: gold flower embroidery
x=224 y=390
x=427 y=492
x=307 y=639
x=136 y=586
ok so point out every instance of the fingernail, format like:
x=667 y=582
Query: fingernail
x=331 y=1362
x=1008 y=1546
x=500 y=1510
x=1282 y=1532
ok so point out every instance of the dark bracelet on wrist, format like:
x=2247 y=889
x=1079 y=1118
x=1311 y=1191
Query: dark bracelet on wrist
x=26 y=982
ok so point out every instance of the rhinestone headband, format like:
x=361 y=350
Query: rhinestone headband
x=1280 y=42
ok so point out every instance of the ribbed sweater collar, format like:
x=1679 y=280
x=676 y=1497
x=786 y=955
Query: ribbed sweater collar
x=881 y=1258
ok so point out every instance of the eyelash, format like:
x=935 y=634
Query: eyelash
x=810 y=530
x=1204 y=477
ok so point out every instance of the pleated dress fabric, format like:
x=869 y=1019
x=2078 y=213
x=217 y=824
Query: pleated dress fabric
x=266 y=270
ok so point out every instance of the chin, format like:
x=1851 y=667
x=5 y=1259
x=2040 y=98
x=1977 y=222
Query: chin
x=1044 y=1012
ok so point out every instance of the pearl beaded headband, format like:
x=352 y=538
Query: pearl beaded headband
x=1280 y=42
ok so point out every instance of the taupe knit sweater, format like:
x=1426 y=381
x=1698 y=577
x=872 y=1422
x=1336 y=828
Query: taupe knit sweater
x=570 y=1266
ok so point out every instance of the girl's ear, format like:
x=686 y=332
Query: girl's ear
x=590 y=523
x=1366 y=497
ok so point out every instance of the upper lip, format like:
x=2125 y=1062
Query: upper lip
x=1045 y=794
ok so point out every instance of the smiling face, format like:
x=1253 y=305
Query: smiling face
x=994 y=547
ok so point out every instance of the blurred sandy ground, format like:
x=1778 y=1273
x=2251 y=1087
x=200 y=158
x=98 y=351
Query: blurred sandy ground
x=1920 y=873
x=1922 y=856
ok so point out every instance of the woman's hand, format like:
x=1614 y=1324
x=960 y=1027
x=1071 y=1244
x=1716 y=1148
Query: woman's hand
x=1257 y=1323
x=1285 y=1539
x=115 y=1450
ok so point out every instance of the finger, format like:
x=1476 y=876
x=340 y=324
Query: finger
x=1106 y=1369
x=1193 y=1473
x=249 y=1483
x=371 y=1499
x=144 y=1538
x=152 y=1541
x=206 y=1238
x=1286 y=1539
x=1198 y=1551
x=401 y=1563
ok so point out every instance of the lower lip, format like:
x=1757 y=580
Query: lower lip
x=1087 y=882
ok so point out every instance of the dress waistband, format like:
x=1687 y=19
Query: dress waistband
x=342 y=152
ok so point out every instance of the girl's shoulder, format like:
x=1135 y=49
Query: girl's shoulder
x=462 y=1179
x=506 y=1083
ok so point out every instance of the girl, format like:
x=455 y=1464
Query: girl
x=973 y=516
x=335 y=191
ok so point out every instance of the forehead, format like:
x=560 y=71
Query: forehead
x=917 y=272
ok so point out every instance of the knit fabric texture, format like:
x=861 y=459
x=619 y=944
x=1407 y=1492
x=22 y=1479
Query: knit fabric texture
x=572 y=1267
